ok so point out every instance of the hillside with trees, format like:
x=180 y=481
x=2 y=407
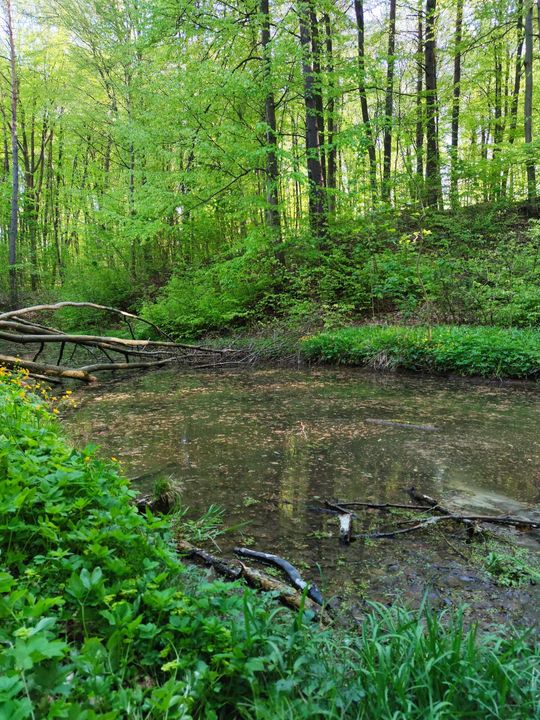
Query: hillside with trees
x=214 y=164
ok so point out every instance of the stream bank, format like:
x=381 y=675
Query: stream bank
x=265 y=444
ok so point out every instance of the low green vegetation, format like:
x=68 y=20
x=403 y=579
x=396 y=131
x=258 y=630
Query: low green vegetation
x=485 y=351
x=99 y=619
x=452 y=268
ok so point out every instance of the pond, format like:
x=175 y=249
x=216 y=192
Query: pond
x=265 y=444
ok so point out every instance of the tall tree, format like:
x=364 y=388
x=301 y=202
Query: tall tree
x=13 y=225
x=389 y=102
x=528 y=107
x=317 y=209
x=456 y=94
x=331 y=151
x=514 y=102
x=360 y=38
x=433 y=176
x=272 y=167
x=419 y=130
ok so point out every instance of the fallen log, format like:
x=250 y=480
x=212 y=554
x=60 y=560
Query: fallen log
x=148 y=353
x=287 y=595
x=68 y=303
x=292 y=573
x=44 y=369
x=401 y=424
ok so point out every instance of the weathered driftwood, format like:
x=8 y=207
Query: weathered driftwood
x=401 y=424
x=148 y=353
x=292 y=573
x=345 y=521
x=287 y=595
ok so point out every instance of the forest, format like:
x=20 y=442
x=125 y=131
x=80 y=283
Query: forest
x=269 y=359
x=217 y=164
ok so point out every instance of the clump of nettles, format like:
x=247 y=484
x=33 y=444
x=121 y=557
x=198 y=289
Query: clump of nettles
x=513 y=570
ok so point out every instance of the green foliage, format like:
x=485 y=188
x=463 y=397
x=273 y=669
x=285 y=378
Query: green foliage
x=98 y=619
x=420 y=269
x=225 y=294
x=512 y=569
x=489 y=352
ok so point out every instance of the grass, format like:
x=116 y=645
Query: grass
x=485 y=351
x=99 y=619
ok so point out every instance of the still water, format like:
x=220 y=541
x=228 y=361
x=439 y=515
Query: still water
x=265 y=444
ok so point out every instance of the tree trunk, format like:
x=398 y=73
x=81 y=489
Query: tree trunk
x=331 y=170
x=389 y=103
x=272 y=168
x=13 y=225
x=359 y=11
x=456 y=95
x=419 y=104
x=317 y=83
x=531 y=169
x=433 y=177
x=515 y=93
x=317 y=210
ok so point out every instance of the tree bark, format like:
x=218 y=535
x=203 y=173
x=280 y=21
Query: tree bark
x=530 y=165
x=433 y=177
x=389 y=102
x=13 y=225
x=360 y=34
x=272 y=168
x=317 y=209
x=456 y=96
x=317 y=83
x=331 y=153
x=419 y=135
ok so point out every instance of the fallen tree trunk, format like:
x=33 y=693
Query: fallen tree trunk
x=292 y=573
x=44 y=369
x=148 y=353
x=57 y=306
x=287 y=595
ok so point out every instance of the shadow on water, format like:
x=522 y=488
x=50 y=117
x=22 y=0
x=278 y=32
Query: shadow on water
x=262 y=444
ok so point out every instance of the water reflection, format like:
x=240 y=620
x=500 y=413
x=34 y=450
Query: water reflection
x=261 y=443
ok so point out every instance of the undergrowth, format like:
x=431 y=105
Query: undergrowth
x=484 y=351
x=99 y=619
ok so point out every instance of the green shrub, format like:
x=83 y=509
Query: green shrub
x=489 y=352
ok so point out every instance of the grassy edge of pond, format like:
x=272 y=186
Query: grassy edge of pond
x=100 y=620
x=469 y=351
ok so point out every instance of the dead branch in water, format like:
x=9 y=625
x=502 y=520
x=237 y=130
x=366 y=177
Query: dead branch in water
x=287 y=595
x=18 y=330
x=428 y=504
x=292 y=573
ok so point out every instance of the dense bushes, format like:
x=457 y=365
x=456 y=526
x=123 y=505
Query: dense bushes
x=444 y=268
x=98 y=620
x=490 y=352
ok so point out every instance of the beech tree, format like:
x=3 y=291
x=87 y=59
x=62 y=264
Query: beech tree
x=147 y=136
